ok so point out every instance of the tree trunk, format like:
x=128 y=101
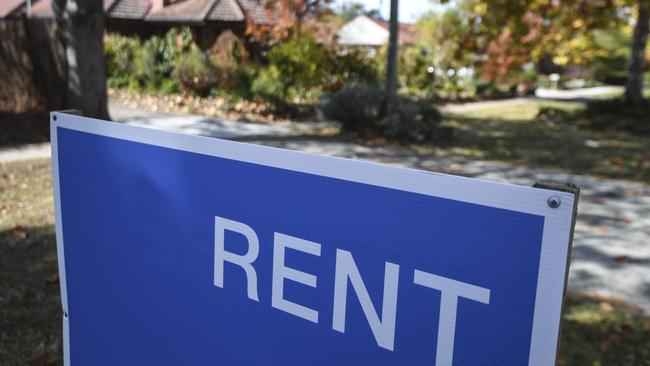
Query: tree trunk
x=634 y=85
x=80 y=26
x=391 y=64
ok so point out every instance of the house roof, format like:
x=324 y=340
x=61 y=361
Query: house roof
x=406 y=33
x=10 y=7
x=257 y=11
x=129 y=9
x=176 y=11
x=228 y=11
x=191 y=11
x=43 y=8
x=366 y=31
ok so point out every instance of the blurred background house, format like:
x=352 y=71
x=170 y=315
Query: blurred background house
x=148 y=17
x=366 y=31
x=30 y=48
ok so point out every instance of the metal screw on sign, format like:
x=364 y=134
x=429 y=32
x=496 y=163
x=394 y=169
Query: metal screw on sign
x=554 y=202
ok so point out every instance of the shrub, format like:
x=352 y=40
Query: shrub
x=361 y=109
x=556 y=115
x=175 y=43
x=149 y=65
x=119 y=54
x=242 y=83
x=297 y=69
x=301 y=68
x=358 y=108
x=413 y=73
x=270 y=85
x=491 y=90
x=354 y=66
x=145 y=70
x=415 y=121
x=229 y=54
x=196 y=73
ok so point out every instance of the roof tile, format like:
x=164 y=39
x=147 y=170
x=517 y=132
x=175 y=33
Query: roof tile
x=256 y=10
x=7 y=7
x=129 y=9
x=188 y=11
x=227 y=11
x=179 y=11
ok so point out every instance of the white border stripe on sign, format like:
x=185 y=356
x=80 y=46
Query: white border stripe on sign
x=59 y=242
x=557 y=221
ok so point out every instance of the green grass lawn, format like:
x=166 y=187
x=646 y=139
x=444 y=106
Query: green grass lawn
x=515 y=134
x=30 y=309
x=595 y=331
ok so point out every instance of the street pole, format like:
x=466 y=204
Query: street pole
x=391 y=66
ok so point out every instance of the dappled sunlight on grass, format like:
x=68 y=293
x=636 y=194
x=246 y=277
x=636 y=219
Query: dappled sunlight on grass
x=589 y=314
x=25 y=194
x=602 y=331
x=514 y=133
x=30 y=325
x=518 y=110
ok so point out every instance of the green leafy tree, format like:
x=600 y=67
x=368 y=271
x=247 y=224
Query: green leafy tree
x=350 y=10
x=287 y=18
x=515 y=32
x=611 y=49
x=297 y=68
x=447 y=41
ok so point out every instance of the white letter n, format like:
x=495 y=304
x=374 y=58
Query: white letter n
x=383 y=329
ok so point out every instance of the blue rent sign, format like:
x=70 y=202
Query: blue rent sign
x=185 y=250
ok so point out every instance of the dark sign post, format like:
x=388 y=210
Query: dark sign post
x=185 y=250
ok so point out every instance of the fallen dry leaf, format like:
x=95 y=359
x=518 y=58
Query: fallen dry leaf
x=601 y=229
x=622 y=258
x=611 y=340
x=18 y=233
x=606 y=306
x=626 y=328
x=598 y=201
x=53 y=279
x=42 y=356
